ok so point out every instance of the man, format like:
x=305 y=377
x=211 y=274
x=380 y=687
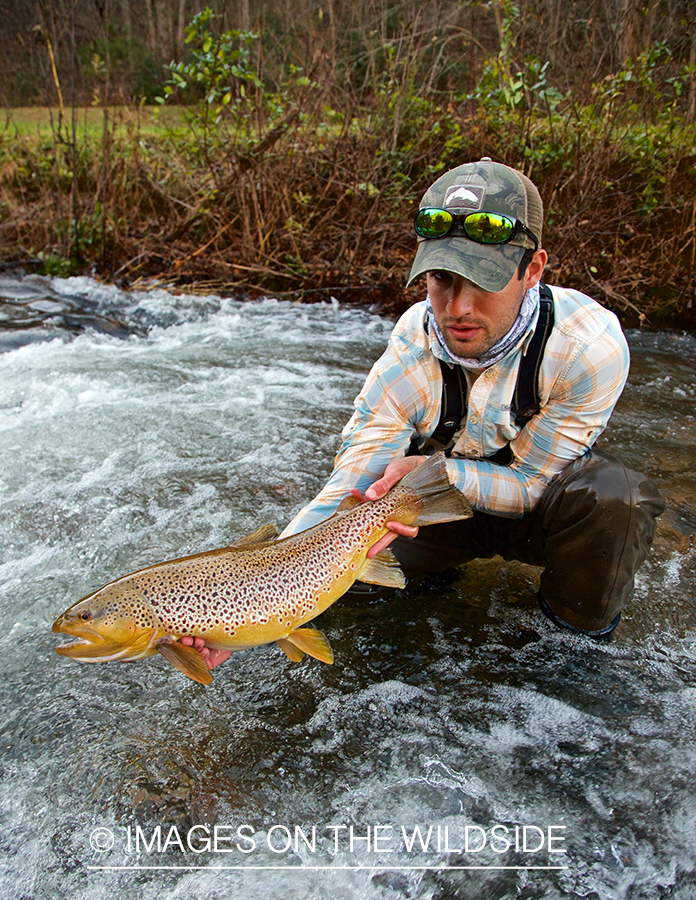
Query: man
x=540 y=494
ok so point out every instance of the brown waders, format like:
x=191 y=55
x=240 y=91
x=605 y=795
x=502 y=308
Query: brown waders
x=590 y=531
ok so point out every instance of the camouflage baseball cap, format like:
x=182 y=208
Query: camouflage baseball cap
x=491 y=187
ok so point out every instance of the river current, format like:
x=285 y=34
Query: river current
x=459 y=747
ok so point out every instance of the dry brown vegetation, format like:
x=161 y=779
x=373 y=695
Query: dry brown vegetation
x=301 y=172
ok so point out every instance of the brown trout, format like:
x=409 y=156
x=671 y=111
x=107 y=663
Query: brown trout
x=259 y=589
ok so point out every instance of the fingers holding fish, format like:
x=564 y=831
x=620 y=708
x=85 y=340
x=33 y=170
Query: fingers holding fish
x=212 y=657
x=395 y=529
x=394 y=472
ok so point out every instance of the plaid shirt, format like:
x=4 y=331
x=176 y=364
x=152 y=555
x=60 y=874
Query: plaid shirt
x=583 y=372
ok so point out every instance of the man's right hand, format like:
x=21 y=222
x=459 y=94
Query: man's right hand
x=212 y=657
x=394 y=472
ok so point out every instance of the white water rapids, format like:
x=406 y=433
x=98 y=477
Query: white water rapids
x=139 y=427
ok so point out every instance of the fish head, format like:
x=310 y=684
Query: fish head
x=115 y=622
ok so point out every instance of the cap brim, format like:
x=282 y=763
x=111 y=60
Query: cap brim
x=490 y=266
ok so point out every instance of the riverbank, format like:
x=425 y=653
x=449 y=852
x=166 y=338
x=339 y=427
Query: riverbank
x=311 y=202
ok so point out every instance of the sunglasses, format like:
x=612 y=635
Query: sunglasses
x=482 y=227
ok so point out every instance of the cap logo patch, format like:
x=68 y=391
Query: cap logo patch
x=464 y=196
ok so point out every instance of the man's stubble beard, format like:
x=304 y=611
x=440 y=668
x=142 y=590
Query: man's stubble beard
x=492 y=333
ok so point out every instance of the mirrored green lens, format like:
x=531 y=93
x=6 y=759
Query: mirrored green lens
x=433 y=223
x=488 y=228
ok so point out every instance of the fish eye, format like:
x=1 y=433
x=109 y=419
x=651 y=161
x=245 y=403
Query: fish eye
x=85 y=616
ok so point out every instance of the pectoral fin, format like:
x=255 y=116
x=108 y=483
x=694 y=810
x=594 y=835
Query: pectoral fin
x=383 y=569
x=290 y=650
x=312 y=642
x=186 y=659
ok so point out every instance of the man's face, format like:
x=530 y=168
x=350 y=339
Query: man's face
x=472 y=320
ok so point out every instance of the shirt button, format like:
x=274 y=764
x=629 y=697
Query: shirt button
x=473 y=420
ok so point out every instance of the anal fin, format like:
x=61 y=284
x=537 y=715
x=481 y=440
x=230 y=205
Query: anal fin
x=311 y=642
x=383 y=569
x=290 y=650
x=186 y=659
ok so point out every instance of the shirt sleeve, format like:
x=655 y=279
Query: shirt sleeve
x=400 y=397
x=578 y=408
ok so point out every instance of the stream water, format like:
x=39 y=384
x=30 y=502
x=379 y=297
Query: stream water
x=483 y=752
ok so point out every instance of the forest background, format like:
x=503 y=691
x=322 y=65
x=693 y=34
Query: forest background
x=283 y=147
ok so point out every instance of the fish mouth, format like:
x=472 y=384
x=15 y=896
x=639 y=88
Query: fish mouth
x=90 y=646
x=83 y=636
x=81 y=647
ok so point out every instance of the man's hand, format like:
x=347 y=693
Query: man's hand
x=394 y=472
x=212 y=657
x=395 y=529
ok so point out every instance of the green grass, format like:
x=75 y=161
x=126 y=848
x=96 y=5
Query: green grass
x=40 y=121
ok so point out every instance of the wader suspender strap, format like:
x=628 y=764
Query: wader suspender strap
x=453 y=408
x=525 y=401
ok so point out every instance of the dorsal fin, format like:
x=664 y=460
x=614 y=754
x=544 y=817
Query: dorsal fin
x=262 y=537
x=349 y=502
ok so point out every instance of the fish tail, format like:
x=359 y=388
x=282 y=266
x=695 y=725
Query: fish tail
x=442 y=501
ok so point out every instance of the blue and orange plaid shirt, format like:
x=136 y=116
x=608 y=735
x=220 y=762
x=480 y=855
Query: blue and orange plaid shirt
x=583 y=372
